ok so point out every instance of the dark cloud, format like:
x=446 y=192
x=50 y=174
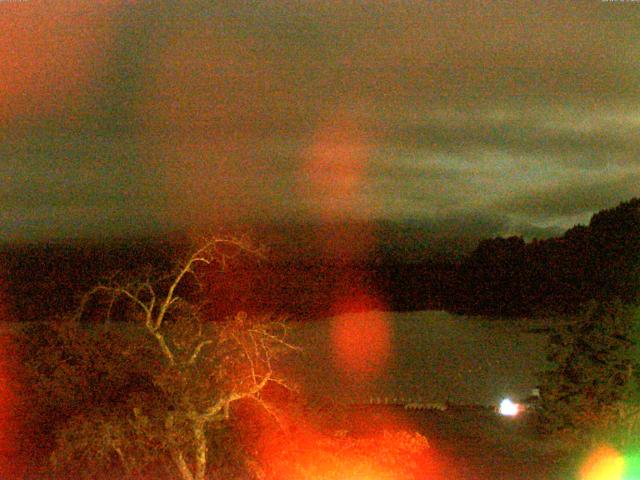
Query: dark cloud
x=523 y=135
x=58 y=166
x=571 y=199
x=207 y=111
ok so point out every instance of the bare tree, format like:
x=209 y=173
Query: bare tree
x=197 y=370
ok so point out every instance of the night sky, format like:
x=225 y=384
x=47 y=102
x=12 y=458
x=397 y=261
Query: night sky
x=141 y=117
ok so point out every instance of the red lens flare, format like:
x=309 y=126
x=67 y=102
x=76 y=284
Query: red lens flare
x=8 y=423
x=332 y=181
x=360 y=338
x=10 y=464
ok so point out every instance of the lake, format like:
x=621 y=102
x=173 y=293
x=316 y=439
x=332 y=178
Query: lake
x=426 y=356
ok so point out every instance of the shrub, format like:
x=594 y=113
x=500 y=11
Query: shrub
x=151 y=395
x=594 y=370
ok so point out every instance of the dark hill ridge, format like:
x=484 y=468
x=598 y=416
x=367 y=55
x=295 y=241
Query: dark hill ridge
x=402 y=271
x=506 y=276
x=45 y=280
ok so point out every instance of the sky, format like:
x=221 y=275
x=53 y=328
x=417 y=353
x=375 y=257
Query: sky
x=127 y=118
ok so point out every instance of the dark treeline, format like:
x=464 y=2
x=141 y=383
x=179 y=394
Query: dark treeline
x=41 y=282
x=508 y=277
x=501 y=277
x=38 y=281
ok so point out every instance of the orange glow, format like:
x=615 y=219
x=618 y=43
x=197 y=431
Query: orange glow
x=604 y=463
x=334 y=167
x=50 y=53
x=307 y=455
x=310 y=444
x=361 y=341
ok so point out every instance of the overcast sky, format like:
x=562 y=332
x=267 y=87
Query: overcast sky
x=132 y=117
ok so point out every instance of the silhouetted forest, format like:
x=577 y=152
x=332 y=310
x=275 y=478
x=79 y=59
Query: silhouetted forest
x=500 y=277
x=508 y=277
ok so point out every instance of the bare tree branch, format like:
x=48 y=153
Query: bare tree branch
x=181 y=464
x=208 y=366
x=196 y=351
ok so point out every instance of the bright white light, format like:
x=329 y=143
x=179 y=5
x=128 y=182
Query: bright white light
x=508 y=408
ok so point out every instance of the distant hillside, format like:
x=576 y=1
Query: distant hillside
x=45 y=279
x=41 y=281
x=338 y=267
x=310 y=269
x=507 y=276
